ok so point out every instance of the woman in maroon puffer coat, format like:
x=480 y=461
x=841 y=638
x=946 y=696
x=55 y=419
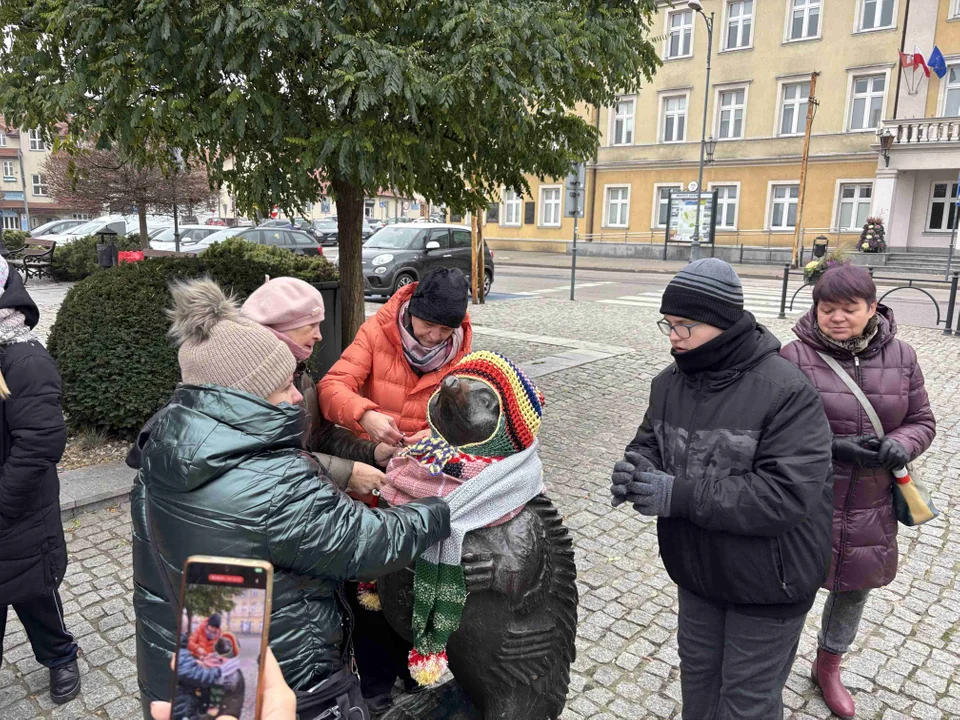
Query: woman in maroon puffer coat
x=847 y=323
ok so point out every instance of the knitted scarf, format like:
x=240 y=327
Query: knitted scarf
x=425 y=359
x=853 y=345
x=13 y=325
x=300 y=352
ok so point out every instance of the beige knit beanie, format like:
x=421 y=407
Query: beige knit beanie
x=218 y=346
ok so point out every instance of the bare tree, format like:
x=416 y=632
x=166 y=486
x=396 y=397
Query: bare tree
x=97 y=180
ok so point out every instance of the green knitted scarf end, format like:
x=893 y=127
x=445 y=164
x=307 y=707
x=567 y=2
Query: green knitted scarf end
x=439 y=594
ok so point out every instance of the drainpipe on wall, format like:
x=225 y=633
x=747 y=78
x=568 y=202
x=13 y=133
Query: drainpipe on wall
x=593 y=189
x=23 y=180
x=903 y=40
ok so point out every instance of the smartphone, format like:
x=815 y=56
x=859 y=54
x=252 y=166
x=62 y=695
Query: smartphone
x=222 y=635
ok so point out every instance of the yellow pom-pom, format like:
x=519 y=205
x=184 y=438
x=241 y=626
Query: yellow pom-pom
x=427 y=669
x=368 y=597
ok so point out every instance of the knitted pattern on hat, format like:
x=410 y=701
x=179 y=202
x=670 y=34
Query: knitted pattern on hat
x=707 y=291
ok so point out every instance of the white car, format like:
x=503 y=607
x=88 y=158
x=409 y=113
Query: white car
x=188 y=234
x=119 y=224
x=55 y=227
x=195 y=244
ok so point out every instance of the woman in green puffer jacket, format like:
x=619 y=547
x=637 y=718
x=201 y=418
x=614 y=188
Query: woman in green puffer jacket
x=222 y=473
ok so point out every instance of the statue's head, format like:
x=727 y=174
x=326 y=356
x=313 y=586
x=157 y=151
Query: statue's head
x=486 y=406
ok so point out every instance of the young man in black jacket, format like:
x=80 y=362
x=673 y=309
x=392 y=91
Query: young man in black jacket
x=733 y=457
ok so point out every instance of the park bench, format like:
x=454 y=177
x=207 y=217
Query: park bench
x=34 y=259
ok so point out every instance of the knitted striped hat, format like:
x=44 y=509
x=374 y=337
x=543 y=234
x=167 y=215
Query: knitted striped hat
x=521 y=404
x=706 y=291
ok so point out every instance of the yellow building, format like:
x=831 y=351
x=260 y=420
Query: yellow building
x=764 y=53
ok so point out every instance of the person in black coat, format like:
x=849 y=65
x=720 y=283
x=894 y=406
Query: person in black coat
x=33 y=552
x=734 y=459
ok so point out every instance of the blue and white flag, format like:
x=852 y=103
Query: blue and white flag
x=937 y=63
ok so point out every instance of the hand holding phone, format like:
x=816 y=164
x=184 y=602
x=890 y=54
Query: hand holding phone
x=225 y=609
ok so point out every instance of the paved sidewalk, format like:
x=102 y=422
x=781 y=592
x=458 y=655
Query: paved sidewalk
x=905 y=666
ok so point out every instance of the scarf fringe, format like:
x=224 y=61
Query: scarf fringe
x=427 y=669
x=368 y=596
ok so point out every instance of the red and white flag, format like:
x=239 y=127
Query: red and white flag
x=918 y=60
x=906 y=61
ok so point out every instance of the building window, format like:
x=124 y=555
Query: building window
x=954 y=11
x=951 y=107
x=876 y=14
x=11 y=222
x=80 y=216
x=36 y=142
x=727 y=198
x=512 y=205
x=550 y=206
x=943 y=208
x=739 y=24
x=8 y=170
x=804 y=20
x=680 y=34
x=618 y=202
x=623 y=122
x=3 y=139
x=867 y=104
x=793 y=108
x=663 y=203
x=783 y=210
x=39 y=186
x=732 y=105
x=855 y=200
x=674 y=118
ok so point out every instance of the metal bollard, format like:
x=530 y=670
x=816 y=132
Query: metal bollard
x=783 y=292
x=951 y=305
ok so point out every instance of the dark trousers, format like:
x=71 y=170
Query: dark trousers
x=380 y=652
x=733 y=666
x=42 y=618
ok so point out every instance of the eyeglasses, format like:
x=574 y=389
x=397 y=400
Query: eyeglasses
x=681 y=329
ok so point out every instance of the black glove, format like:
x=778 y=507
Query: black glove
x=892 y=455
x=625 y=471
x=861 y=451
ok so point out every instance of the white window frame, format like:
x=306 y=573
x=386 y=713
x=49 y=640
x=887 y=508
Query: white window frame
x=655 y=216
x=40 y=187
x=802 y=117
x=838 y=200
x=852 y=76
x=81 y=216
x=717 y=110
x=788 y=21
x=953 y=62
x=542 y=217
x=661 y=120
x=36 y=140
x=630 y=120
x=12 y=175
x=768 y=220
x=953 y=12
x=860 y=12
x=11 y=222
x=506 y=204
x=606 y=206
x=946 y=211
x=725 y=27
x=666 y=33
x=736 y=208
x=3 y=139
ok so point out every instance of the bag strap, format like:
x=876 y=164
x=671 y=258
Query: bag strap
x=855 y=389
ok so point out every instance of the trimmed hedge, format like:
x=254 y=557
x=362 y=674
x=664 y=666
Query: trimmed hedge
x=13 y=240
x=110 y=336
x=77 y=260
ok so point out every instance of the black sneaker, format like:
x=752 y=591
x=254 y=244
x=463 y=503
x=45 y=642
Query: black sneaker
x=380 y=704
x=64 y=682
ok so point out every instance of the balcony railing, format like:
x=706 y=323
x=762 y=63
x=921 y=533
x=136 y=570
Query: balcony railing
x=923 y=130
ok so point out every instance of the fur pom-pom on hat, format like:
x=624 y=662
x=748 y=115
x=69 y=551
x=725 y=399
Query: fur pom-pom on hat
x=218 y=346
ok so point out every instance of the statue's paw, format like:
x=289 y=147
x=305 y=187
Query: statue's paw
x=478 y=571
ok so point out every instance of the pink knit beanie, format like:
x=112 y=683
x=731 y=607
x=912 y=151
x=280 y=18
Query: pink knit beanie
x=284 y=303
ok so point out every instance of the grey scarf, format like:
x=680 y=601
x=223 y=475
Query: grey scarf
x=13 y=328
x=853 y=345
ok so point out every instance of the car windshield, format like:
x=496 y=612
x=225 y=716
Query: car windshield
x=326 y=225
x=394 y=238
x=221 y=235
x=88 y=228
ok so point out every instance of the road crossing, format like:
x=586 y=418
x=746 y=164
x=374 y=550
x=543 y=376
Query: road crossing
x=763 y=302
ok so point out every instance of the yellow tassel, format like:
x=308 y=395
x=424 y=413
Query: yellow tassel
x=4 y=390
x=427 y=669
x=368 y=597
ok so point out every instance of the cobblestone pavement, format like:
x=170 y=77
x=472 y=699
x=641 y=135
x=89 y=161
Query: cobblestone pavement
x=906 y=663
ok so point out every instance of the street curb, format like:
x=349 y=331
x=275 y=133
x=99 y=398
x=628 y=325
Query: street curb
x=94 y=487
x=93 y=504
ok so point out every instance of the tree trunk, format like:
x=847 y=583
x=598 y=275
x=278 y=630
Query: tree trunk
x=350 y=227
x=142 y=216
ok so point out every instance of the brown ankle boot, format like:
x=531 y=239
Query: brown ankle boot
x=826 y=674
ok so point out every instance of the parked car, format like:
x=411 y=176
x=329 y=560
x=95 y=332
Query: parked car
x=402 y=253
x=119 y=224
x=188 y=234
x=294 y=240
x=55 y=227
x=397 y=220
x=376 y=224
x=196 y=244
x=326 y=231
x=276 y=223
x=216 y=221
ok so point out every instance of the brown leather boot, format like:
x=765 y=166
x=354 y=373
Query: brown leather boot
x=826 y=674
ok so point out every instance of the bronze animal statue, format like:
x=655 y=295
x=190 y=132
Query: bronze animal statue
x=511 y=655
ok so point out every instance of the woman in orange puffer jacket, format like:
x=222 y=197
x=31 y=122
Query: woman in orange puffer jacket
x=380 y=386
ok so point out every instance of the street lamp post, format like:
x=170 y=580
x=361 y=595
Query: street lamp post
x=696 y=6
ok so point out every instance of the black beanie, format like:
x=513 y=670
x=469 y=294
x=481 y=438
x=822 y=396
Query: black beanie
x=706 y=291
x=441 y=297
x=214 y=620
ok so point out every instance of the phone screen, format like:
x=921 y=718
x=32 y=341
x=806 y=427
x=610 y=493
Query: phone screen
x=220 y=641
